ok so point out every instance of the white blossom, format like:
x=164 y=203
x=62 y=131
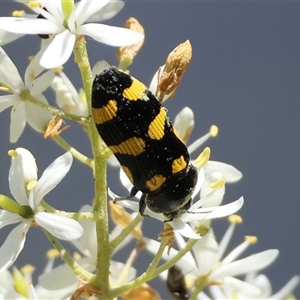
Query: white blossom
x=23 y=111
x=65 y=32
x=28 y=195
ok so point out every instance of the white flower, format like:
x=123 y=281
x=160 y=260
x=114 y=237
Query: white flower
x=216 y=173
x=87 y=246
x=24 y=111
x=66 y=29
x=206 y=264
x=258 y=281
x=195 y=213
x=22 y=177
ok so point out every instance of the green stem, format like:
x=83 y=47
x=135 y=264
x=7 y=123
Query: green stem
x=79 y=156
x=55 y=111
x=101 y=281
x=65 y=255
x=201 y=283
x=157 y=257
x=146 y=276
x=125 y=232
x=75 y=216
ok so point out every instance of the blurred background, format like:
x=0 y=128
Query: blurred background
x=244 y=77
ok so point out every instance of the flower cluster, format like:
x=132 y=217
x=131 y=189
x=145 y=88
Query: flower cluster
x=96 y=267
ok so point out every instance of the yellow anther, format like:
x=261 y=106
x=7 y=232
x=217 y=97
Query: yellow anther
x=203 y=158
x=58 y=69
x=31 y=185
x=218 y=184
x=18 y=13
x=236 y=219
x=214 y=130
x=251 y=239
x=52 y=253
x=31 y=57
x=28 y=269
x=12 y=153
x=33 y=4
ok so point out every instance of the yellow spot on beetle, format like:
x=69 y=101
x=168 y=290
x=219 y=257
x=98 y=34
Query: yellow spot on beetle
x=105 y=113
x=155 y=182
x=157 y=126
x=133 y=146
x=128 y=173
x=178 y=164
x=135 y=91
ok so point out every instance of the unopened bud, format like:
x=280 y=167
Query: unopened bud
x=126 y=54
x=171 y=74
x=143 y=291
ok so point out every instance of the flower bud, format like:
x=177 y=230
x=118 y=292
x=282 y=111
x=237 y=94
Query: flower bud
x=126 y=54
x=169 y=76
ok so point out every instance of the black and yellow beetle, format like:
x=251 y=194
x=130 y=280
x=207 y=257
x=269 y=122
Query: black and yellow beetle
x=136 y=128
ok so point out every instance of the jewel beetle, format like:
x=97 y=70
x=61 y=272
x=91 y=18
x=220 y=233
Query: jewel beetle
x=137 y=129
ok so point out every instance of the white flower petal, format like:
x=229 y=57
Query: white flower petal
x=50 y=178
x=7 y=101
x=251 y=263
x=99 y=67
x=7 y=37
x=88 y=241
x=40 y=84
x=87 y=8
x=107 y=12
x=206 y=254
x=13 y=245
x=200 y=180
x=53 y=11
x=28 y=165
x=58 y=278
x=184 y=120
x=262 y=282
x=184 y=229
x=9 y=74
x=16 y=180
x=287 y=289
x=37 y=117
x=33 y=70
x=110 y=35
x=7 y=218
x=229 y=172
x=17 y=121
x=59 y=51
x=28 y=26
x=61 y=227
x=215 y=212
x=125 y=180
x=241 y=287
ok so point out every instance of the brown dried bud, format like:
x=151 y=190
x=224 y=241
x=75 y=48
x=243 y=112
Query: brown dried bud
x=176 y=64
x=122 y=218
x=126 y=54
